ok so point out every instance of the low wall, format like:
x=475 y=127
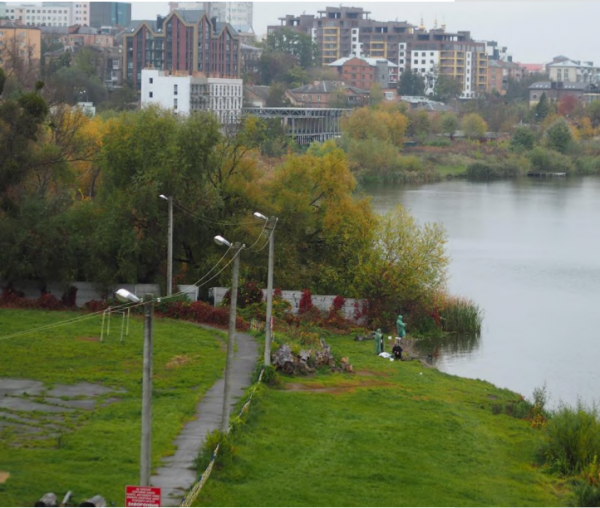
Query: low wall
x=321 y=302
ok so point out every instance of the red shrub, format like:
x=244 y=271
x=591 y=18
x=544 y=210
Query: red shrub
x=305 y=302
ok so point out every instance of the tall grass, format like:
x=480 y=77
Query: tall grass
x=461 y=315
x=573 y=439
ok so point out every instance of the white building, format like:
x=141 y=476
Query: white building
x=49 y=13
x=234 y=13
x=574 y=71
x=185 y=94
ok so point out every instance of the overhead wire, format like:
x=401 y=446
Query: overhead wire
x=199 y=283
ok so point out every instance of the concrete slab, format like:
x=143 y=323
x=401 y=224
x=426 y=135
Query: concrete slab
x=176 y=476
x=18 y=387
x=82 y=389
x=18 y=404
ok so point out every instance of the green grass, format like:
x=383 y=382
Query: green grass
x=384 y=436
x=450 y=170
x=98 y=451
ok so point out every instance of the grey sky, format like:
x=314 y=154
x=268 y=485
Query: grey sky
x=533 y=31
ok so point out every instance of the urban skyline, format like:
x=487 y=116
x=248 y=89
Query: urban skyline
x=533 y=31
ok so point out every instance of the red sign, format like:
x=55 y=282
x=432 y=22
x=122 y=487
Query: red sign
x=142 y=496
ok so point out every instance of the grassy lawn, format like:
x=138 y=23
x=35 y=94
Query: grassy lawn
x=97 y=451
x=392 y=434
x=453 y=170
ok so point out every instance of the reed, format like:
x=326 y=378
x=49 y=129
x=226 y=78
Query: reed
x=461 y=315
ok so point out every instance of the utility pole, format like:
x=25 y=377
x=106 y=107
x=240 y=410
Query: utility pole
x=145 y=459
x=170 y=254
x=237 y=246
x=270 y=227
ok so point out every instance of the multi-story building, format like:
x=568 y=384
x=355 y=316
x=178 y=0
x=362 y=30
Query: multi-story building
x=347 y=31
x=363 y=72
x=77 y=36
x=49 y=13
x=234 y=13
x=321 y=94
x=110 y=14
x=22 y=43
x=185 y=94
x=184 y=41
x=574 y=71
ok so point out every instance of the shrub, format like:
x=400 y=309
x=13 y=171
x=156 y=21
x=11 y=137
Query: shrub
x=545 y=160
x=586 y=494
x=248 y=293
x=461 y=315
x=573 y=439
x=305 y=302
x=438 y=142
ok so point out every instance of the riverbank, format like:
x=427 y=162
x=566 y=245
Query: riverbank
x=391 y=434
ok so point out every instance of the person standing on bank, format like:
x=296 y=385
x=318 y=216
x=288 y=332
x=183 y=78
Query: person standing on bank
x=400 y=327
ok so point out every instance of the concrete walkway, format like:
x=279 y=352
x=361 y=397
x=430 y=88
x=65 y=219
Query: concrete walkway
x=177 y=475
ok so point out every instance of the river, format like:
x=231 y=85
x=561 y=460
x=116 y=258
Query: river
x=528 y=252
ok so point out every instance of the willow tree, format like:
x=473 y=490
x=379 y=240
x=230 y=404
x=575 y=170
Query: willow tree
x=405 y=269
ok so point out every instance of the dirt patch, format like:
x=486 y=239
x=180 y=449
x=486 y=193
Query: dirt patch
x=493 y=397
x=89 y=339
x=4 y=476
x=177 y=361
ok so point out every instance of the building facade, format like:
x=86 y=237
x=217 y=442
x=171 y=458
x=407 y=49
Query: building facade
x=110 y=14
x=185 y=94
x=574 y=71
x=364 y=72
x=18 y=42
x=183 y=42
x=341 y=32
x=49 y=13
x=234 y=13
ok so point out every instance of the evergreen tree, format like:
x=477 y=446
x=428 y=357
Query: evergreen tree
x=542 y=108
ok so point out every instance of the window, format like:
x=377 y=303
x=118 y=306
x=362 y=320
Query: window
x=175 y=103
x=151 y=80
x=151 y=94
x=174 y=89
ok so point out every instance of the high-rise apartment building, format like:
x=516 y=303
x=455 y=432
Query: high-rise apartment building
x=341 y=32
x=49 y=13
x=110 y=14
x=184 y=42
x=234 y=13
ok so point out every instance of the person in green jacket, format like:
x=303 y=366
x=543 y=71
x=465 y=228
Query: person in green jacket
x=400 y=327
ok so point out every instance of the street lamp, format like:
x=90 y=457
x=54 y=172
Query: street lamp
x=145 y=456
x=270 y=227
x=219 y=240
x=170 y=242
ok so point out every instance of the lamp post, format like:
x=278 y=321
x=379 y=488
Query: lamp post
x=145 y=455
x=231 y=334
x=270 y=227
x=170 y=242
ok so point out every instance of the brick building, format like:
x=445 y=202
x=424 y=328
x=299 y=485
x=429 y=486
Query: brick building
x=184 y=41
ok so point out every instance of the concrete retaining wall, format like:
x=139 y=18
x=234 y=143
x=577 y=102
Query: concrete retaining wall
x=321 y=302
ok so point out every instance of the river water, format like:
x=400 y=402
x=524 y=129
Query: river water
x=528 y=252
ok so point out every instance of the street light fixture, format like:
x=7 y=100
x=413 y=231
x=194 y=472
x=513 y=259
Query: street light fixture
x=270 y=227
x=145 y=455
x=219 y=240
x=170 y=243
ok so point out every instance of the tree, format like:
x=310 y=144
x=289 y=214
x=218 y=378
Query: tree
x=567 y=105
x=411 y=83
x=325 y=230
x=446 y=88
x=290 y=42
x=593 y=113
x=383 y=124
x=375 y=94
x=449 y=123
x=558 y=136
x=522 y=139
x=277 y=98
x=542 y=108
x=474 y=126
x=405 y=267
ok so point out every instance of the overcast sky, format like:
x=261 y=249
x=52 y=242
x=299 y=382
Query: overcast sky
x=533 y=31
